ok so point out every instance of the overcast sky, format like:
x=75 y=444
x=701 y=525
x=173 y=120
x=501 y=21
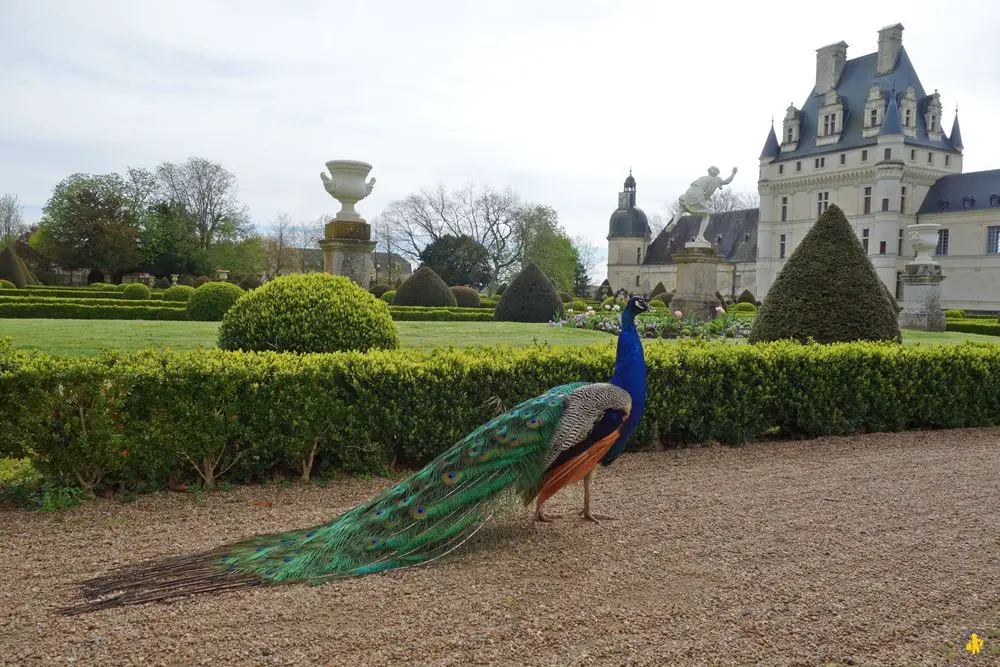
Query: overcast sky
x=555 y=98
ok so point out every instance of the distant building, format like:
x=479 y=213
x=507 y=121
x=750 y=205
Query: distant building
x=870 y=140
x=390 y=267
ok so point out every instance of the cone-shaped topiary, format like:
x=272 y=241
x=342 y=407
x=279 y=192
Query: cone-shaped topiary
x=312 y=312
x=11 y=268
x=530 y=297
x=378 y=289
x=162 y=283
x=6 y=284
x=465 y=297
x=424 y=288
x=746 y=296
x=249 y=282
x=828 y=290
x=565 y=296
x=178 y=293
x=136 y=292
x=210 y=302
x=891 y=298
x=657 y=291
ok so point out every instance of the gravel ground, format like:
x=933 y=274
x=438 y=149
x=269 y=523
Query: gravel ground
x=869 y=550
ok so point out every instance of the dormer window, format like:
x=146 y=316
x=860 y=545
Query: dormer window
x=934 y=125
x=994 y=200
x=907 y=118
x=908 y=108
x=790 y=130
x=943 y=204
x=829 y=119
x=874 y=108
x=968 y=202
x=789 y=134
x=873 y=118
x=932 y=115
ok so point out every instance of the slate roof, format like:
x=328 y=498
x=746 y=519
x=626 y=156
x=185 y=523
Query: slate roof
x=771 y=147
x=737 y=228
x=956 y=134
x=891 y=124
x=631 y=220
x=855 y=81
x=977 y=186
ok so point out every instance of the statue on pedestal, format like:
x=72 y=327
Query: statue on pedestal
x=696 y=202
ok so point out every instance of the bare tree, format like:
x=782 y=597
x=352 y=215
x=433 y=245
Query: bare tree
x=208 y=192
x=141 y=190
x=11 y=217
x=587 y=254
x=304 y=240
x=277 y=244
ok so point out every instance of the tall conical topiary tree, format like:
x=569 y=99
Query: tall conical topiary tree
x=657 y=291
x=828 y=291
x=424 y=288
x=11 y=268
x=530 y=297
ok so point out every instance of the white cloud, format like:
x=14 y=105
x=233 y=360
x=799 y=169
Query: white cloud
x=557 y=99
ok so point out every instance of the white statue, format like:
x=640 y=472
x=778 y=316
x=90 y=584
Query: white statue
x=696 y=201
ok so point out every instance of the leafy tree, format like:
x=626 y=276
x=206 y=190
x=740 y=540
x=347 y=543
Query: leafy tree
x=209 y=194
x=581 y=280
x=548 y=247
x=168 y=243
x=89 y=222
x=11 y=219
x=458 y=260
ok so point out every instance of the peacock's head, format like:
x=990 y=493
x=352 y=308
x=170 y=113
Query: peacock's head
x=637 y=305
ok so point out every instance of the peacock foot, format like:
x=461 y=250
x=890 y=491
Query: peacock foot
x=595 y=516
x=545 y=518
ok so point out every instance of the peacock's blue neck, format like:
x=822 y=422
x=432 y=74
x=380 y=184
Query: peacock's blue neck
x=630 y=375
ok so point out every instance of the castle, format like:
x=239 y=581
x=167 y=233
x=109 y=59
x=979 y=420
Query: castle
x=870 y=140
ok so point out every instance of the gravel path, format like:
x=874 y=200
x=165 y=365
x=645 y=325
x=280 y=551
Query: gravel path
x=873 y=550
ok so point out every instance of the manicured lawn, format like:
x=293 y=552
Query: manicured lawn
x=89 y=337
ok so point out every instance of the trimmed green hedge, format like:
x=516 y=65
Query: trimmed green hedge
x=430 y=314
x=99 y=311
x=984 y=326
x=89 y=302
x=81 y=293
x=148 y=414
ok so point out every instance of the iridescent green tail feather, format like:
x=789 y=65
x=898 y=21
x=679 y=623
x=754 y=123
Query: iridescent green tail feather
x=424 y=517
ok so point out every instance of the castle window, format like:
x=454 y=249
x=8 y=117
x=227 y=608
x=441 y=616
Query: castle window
x=913 y=154
x=781 y=169
x=943 y=204
x=899 y=285
x=902 y=200
x=829 y=124
x=947 y=160
x=942 y=244
x=798 y=166
x=993 y=240
x=868 y=201
x=865 y=234
x=781 y=246
x=843 y=158
x=933 y=126
x=906 y=118
x=864 y=155
x=994 y=200
x=881 y=247
x=637 y=281
x=888 y=154
x=789 y=135
x=930 y=158
x=718 y=239
x=899 y=245
x=638 y=255
x=873 y=118
x=885 y=204
x=784 y=209
x=822 y=202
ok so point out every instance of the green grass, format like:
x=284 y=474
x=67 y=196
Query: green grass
x=89 y=337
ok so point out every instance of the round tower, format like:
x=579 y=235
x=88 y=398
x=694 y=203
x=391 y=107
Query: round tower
x=628 y=237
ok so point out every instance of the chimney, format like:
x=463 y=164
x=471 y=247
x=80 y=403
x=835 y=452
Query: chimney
x=890 y=42
x=829 y=66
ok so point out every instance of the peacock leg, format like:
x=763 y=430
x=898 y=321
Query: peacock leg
x=587 y=514
x=542 y=516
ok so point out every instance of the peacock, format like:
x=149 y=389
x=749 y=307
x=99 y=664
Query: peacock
x=530 y=452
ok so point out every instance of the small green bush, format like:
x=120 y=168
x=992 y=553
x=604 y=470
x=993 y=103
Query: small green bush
x=201 y=280
x=161 y=283
x=658 y=306
x=424 y=288
x=743 y=307
x=465 y=297
x=566 y=297
x=577 y=305
x=315 y=312
x=530 y=297
x=378 y=289
x=210 y=302
x=178 y=293
x=120 y=287
x=6 y=284
x=249 y=282
x=388 y=296
x=746 y=296
x=954 y=313
x=111 y=287
x=657 y=291
x=186 y=280
x=136 y=292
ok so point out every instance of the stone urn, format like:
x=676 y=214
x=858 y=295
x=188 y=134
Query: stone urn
x=174 y=277
x=222 y=274
x=348 y=186
x=924 y=238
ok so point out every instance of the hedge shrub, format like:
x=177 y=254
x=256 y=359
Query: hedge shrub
x=210 y=302
x=11 y=268
x=530 y=297
x=202 y=280
x=207 y=412
x=420 y=314
x=973 y=326
x=18 y=298
x=136 y=292
x=250 y=282
x=658 y=306
x=566 y=297
x=378 y=289
x=388 y=296
x=743 y=307
x=98 y=311
x=6 y=284
x=828 y=291
x=657 y=291
x=746 y=296
x=93 y=294
x=180 y=293
x=161 y=283
x=424 y=288
x=465 y=297
x=315 y=312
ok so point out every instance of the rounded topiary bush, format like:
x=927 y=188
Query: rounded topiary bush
x=577 y=305
x=388 y=296
x=742 y=307
x=746 y=296
x=566 y=297
x=202 y=280
x=657 y=306
x=6 y=284
x=530 y=297
x=378 y=289
x=136 y=292
x=178 y=293
x=424 y=288
x=249 y=282
x=121 y=286
x=11 y=269
x=161 y=283
x=314 y=312
x=186 y=280
x=210 y=302
x=111 y=287
x=465 y=297
x=954 y=313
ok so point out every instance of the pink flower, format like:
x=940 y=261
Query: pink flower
x=720 y=310
x=678 y=314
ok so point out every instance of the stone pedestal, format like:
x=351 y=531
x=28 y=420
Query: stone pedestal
x=922 y=297
x=697 y=282
x=347 y=250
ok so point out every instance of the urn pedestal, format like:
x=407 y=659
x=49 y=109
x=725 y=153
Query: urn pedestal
x=922 y=282
x=697 y=282
x=347 y=245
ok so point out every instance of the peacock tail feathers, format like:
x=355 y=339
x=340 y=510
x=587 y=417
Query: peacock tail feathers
x=424 y=517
